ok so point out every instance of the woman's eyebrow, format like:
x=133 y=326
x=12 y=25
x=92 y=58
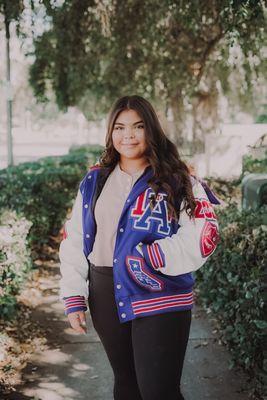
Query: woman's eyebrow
x=120 y=123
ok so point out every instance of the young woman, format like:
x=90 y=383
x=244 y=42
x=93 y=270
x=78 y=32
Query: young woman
x=143 y=224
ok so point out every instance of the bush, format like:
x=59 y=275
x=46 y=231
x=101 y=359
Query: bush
x=231 y=285
x=42 y=191
x=254 y=165
x=15 y=261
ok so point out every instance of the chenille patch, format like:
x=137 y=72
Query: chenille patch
x=143 y=277
x=204 y=209
x=209 y=238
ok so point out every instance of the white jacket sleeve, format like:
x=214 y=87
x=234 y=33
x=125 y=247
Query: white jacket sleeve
x=189 y=248
x=73 y=263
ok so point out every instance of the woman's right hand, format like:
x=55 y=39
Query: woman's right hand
x=77 y=321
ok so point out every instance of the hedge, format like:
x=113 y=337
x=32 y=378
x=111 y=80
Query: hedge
x=232 y=283
x=34 y=200
x=254 y=165
x=42 y=191
x=15 y=260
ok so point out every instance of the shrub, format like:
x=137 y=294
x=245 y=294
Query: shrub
x=15 y=261
x=254 y=165
x=43 y=191
x=231 y=285
x=34 y=199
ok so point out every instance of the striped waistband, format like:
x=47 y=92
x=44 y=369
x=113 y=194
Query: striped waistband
x=178 y=301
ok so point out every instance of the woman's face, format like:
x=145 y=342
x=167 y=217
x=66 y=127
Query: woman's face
x=128 y=135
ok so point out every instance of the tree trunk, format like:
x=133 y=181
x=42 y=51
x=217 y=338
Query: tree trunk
x=205 y=113
x=176 y=118
x=8 y=93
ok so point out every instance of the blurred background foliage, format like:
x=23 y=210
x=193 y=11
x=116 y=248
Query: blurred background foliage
x=180 y=55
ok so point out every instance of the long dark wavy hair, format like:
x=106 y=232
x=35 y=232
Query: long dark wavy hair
x=170 y=173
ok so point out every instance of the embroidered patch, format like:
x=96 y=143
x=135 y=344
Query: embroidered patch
x=209 y=238
x=138 y=272
x=144 y=218
x=204 y=209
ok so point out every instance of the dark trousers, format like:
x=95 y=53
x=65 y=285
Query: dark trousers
x=146 y=354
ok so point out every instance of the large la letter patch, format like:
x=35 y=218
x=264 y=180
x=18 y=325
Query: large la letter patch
x=144 y=218
x=139 y=273
x=209 y=238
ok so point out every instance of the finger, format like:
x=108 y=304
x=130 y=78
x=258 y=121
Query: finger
x=82 y=319
x=77 y=327
x=75 y=323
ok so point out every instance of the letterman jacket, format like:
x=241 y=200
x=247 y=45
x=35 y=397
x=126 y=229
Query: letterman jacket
x=154 y=256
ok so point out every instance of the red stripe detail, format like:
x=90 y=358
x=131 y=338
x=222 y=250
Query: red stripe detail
x=75 y=304
x=158 y=255
x=164 y=301
x=73 y=298
x=159 y=303
x=155 y=255
x=176 y=296
x=151 y=257
x=167 y=305
x=74 y=301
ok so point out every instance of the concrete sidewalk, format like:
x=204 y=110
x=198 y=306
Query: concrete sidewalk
x=76 y=366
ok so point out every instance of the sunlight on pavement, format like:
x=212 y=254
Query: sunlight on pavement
x=82 y=367
x=53 y=391
x=54 y=356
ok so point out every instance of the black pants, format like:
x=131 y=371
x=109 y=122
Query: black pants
x=146 y=354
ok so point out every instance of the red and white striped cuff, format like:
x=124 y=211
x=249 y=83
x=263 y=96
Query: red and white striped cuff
x=153 y=255
x=74 y=303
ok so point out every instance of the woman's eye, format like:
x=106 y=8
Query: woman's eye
x=119 y=128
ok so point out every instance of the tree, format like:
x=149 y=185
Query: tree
x=172 y=52
x=10 y=11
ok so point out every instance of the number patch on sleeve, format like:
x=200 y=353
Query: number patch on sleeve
x=204 y=209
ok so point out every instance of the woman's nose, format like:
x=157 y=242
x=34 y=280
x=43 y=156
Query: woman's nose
x=129 y=132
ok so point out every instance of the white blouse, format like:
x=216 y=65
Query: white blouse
x=108 y=208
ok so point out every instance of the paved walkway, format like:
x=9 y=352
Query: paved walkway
x=75 y=367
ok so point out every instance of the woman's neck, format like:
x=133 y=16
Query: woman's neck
x=133 y=166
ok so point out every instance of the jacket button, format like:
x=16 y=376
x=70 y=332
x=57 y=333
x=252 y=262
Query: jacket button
x=121 y=230
x=118 y=286
x=121 y=304
x=87 y=235
x=86 y=206
x=115 y=260
x=90 y=176
x=123 y=315
x=128 y=201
